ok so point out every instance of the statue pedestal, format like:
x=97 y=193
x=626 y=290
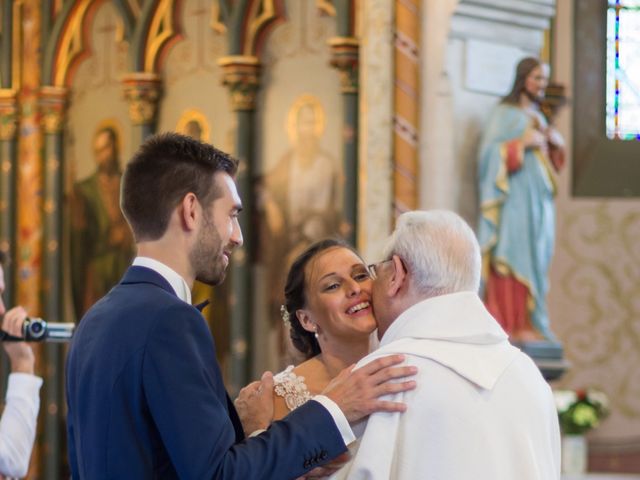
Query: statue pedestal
x=548 y=356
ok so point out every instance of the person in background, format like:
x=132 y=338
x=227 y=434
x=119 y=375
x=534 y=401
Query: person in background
x=18 y=422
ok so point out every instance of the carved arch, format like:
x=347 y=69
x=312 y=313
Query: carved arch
x=157 y=29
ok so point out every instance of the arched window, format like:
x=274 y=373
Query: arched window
x=606 y=99
x=623 y=70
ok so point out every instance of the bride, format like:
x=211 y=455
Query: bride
x=328 y=312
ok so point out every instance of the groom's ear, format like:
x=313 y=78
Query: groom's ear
x=304 y=318
x=188 y=211
x=399 y=277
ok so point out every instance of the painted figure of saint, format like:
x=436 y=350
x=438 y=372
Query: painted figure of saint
x=101 y=242
x=301 y=196
x=518 y=156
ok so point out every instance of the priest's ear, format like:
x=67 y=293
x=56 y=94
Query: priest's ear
x=398 y=277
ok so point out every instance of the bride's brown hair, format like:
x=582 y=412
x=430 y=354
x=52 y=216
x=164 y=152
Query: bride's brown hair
x=295 y=299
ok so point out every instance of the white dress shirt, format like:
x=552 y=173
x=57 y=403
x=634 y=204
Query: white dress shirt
x=183 y=292
x=18 y=423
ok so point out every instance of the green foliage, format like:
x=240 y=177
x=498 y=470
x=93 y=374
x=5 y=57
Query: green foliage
x=580 y=411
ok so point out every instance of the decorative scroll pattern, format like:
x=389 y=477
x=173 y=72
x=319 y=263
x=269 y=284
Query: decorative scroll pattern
x=595 y=298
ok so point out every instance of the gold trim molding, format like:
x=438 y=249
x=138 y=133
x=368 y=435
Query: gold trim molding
x=8 y=114
x=241 y=74
x=53 y=103
x=142 y=92
x=345 y=58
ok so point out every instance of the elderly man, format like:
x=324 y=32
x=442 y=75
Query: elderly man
x=481 y=409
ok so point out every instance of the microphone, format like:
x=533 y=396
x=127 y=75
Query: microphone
x=37 y=330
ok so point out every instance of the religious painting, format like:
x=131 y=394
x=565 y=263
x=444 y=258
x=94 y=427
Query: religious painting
x=301 y=196
x=194 y=124
x=101 y=242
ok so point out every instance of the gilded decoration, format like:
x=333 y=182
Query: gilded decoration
x=327 y=7
x=241 y=74
x=216 y=23
x=142 y=92
x=8 y=114
x=161 y=30
x=263 y=13
x=344 y=57
x=53 y=103
x=72 y=43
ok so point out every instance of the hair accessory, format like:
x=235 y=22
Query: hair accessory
x=284 y=313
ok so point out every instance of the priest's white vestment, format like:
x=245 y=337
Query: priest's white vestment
x=481 y=410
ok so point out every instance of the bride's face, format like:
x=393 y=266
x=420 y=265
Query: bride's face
x=338 y=294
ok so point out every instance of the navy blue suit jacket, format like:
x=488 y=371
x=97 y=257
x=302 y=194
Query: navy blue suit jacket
x=146 y=399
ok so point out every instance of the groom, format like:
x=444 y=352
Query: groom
x=144 y=391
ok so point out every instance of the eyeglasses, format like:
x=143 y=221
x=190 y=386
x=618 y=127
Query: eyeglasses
x=373 y=268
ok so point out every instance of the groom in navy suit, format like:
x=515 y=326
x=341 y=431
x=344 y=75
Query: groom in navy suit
x=144 y=391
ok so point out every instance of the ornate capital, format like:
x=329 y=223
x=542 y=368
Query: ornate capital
x=142 y=91
x=345 y=58
x=53 y=103
x=241 y=74
x=8 y=114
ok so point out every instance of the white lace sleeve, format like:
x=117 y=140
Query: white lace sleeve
x=291 y=387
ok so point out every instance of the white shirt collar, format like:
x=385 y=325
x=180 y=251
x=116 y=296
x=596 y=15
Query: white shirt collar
x=176 y=281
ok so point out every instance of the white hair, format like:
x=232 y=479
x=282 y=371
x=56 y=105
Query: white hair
x=439 y=250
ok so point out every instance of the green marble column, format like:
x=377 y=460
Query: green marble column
x=52 y=107
x=344 y=57
x=241 y=76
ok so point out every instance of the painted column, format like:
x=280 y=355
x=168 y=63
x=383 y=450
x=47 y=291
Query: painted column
x=406 y=106
x=142 y=90
x=52 y=104
x=345 y=58
x=241 y=74
x=8 y=207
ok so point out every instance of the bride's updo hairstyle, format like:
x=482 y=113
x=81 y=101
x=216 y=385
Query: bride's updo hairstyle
x=295 y=295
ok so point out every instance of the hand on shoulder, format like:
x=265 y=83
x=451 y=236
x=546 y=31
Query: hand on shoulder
x=357 y=392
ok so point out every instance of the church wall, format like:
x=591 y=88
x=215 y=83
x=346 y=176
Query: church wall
x=594 y=277
x=595 y=286
x=469 y=51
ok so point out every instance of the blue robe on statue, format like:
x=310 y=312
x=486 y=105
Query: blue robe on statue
x=517 y=218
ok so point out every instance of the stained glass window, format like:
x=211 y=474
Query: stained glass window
x=623 y=70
